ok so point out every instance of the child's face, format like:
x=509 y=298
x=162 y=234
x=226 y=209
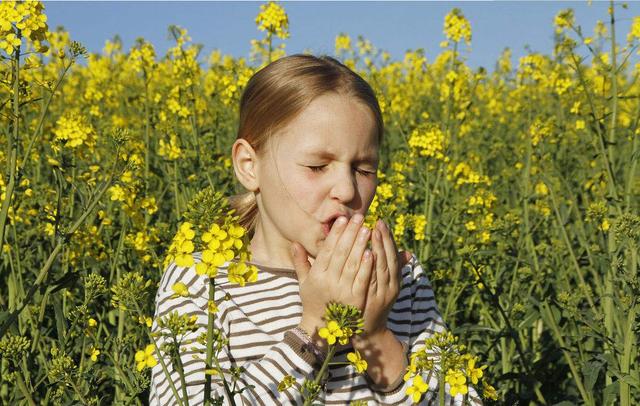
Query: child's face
x=337 y=135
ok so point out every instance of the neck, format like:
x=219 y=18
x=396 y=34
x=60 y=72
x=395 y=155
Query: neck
x=270 y=252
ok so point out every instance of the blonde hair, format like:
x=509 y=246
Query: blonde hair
x=277 y=93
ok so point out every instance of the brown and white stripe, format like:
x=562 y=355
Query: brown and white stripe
x=257 y=320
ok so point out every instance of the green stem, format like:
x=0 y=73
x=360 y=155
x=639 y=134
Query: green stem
x=12 y=142
x=320 y=375
x=52 y=257
x=548 y=316
x=565 y=237
x=23 y=388
x=207 y=377
x=180 y=367
x=163 y=365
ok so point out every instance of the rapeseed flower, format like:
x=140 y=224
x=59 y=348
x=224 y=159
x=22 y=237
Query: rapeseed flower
x=474 y=373
x=356 y=360
x=273 y=19
x=457 y=382
x=241 y=273
x=343 y=43
x=457 y=27
x=331 y=332
x=145 y=358
x=417 y=388
x=179 y=289
x=75 y=130
x=94 y=354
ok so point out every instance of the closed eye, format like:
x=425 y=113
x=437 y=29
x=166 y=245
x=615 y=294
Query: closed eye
x=366 y=173
x=321 y=168
x=317 y=168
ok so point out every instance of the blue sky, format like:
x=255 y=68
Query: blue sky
x=391 y=26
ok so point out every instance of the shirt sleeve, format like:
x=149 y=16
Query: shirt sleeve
x=260 y=377
x=425 y=321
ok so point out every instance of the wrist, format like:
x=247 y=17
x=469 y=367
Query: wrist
x=310 y=336
x=367 y=339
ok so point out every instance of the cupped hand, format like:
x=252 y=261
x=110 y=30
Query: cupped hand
x=340 y=272
x=386 y=279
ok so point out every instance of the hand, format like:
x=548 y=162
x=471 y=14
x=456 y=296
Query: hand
x=386 y=279
x=340 y=272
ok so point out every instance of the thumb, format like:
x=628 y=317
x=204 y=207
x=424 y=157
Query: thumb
x=300 y=261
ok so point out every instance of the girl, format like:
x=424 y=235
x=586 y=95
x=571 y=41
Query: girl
x=307 y=152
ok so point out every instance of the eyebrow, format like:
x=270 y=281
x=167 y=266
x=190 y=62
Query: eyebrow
x=328 y=154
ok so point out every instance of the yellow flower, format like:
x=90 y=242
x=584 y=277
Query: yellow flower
x=179 y=289
x=331 y=332
x=356 y=360
x=457 y=382
x=343 y=42
x=489 y=391
x=457 y=27
x=145 y=358
x=417 y=388
x=146 y=320
x=580 y=125
x=473 y=372
x=9 y=43
x=94 y=354
x=273 y=19
x=92 y=322
x=541 y=189
x=212 y=307
x=241 y=273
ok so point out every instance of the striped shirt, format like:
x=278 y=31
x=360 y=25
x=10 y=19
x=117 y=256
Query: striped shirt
x=258 y=318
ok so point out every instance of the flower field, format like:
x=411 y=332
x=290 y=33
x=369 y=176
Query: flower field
x=517 y=189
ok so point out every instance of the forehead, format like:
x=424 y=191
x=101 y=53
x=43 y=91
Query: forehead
x=333 y=124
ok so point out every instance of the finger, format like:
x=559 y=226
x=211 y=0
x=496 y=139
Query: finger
x=373 y=282
x=392 y=257
x=362 y=278
x=324 y=255
x=300 y=261
x=342 y=249
x=352 y=266
x=382 y=276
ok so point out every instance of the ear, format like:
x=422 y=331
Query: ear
x=245 y=162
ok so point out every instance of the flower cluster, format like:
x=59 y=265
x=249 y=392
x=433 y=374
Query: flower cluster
x=273 y=19
x=428 y=142
x=22 y=19
x=457 y=27
x=219 y=244
x=74 y=130
x=182 y=246
x=443 y=355
x=343 y=321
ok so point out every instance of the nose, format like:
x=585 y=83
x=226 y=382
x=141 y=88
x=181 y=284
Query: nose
x=345 y=186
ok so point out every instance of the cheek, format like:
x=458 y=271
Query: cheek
x=305 y=190
x=367 y=190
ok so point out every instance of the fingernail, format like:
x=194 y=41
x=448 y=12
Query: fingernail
x=358 y=218
x=364 y=232
x=367 y=254
x=341 y=220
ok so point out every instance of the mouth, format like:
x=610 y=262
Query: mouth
x=327 y=225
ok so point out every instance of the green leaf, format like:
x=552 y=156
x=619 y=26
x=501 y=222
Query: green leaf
x=591 y=373
x=610 y=393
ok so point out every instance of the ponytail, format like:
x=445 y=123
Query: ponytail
x=246 y=207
